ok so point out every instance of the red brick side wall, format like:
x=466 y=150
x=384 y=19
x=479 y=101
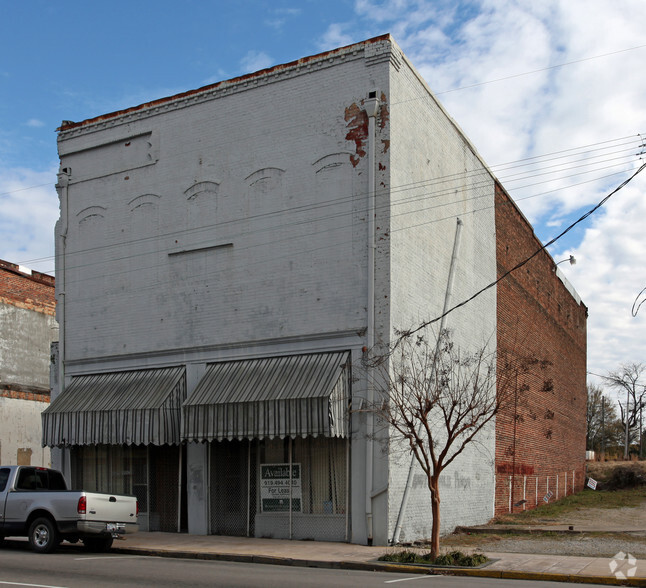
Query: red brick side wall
x=540 y=439
x=33 y=292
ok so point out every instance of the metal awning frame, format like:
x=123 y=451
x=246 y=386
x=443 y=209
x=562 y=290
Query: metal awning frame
x=281 y=396
x=137 y=407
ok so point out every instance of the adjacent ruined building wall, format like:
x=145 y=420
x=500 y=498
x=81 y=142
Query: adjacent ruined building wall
x=27 y=328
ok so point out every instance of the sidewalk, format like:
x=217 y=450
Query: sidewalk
x=589 y=570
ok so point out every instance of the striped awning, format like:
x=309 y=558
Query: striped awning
x=291 y=396
x=139 y=407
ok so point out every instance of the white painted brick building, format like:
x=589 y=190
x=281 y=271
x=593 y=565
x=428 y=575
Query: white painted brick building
x=206 y=233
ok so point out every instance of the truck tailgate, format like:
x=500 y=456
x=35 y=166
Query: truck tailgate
x=113 y=508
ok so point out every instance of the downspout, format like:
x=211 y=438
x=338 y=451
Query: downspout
x=447 y=301
x=372 y=105
x=179 y=491
x=62 y=187
x=248 y=487
x=209 y=450
x=291 y=505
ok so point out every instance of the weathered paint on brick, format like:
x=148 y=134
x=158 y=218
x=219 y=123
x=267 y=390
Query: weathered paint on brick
x=27 y=328
x=357 y=122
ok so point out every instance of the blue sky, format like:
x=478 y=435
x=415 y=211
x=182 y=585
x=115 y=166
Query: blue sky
x=551 y=93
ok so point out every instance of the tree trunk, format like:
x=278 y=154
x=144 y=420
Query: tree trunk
x=434 y=487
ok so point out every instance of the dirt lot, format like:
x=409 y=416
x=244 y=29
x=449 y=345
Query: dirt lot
x=606 y=531
x=585 y=544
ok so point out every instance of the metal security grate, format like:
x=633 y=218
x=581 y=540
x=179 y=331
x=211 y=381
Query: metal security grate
x=229 y=487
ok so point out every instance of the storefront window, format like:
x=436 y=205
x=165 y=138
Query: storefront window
x=148 y=473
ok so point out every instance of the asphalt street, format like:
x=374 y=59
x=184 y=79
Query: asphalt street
x=72 y=567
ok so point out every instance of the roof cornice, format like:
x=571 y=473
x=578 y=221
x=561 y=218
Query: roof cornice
x=372 y=47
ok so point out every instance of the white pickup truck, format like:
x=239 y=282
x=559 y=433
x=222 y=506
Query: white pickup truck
x=35 y=502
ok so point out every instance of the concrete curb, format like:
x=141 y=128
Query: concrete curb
x=376 y=566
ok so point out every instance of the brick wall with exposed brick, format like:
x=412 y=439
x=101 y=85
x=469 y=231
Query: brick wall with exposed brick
x=27 y=328
x=32 y=291
x=540 y=435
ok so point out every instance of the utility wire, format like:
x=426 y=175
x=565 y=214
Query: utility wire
x=276 y=229
x=444 y=184
x=526 y=260
x=435 y=93
x=284 y=236
x=262 y=247
x=527 y=73
x=636 y=307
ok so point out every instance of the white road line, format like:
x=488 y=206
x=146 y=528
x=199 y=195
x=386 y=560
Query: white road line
x=32 y=585
x=107 y=557
x=406 y=579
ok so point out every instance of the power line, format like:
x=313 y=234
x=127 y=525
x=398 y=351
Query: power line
x=275 y=229
x=636 y=307
x=526 y=260
x=431 y=182
x=262 y=247
x=527 y=73
x=442 y=186
x=25 y=189
x=280 y=229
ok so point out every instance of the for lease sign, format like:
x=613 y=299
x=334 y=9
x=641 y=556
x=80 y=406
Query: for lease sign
x=275 y=487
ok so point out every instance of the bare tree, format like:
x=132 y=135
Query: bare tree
x=630 y=378
x=604 y=429
x=438 y=398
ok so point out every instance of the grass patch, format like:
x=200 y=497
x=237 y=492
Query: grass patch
x=582 y=500
x=452 y=558
x=471 y=540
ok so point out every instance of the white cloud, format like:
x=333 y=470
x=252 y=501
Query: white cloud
x=34 y=122
x=280 y=17
x=552 y=108
x=337 y=35
x=541 y=106
x=609 y=274
x=275 y=23
x=219 y=76
x=29 y=205
x=256 y=60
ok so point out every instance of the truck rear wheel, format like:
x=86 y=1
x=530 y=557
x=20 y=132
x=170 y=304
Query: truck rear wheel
x=98 y=544
x=43 y=535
